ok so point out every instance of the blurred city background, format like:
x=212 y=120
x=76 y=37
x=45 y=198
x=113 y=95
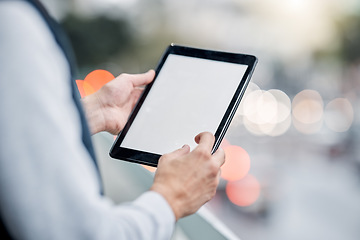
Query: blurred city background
x=294 y=141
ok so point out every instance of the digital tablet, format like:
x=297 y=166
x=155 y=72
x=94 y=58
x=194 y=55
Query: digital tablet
x=194 y=90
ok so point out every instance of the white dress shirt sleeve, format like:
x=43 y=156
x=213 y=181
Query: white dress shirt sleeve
x=49 y=187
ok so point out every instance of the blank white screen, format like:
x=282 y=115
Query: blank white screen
x=189 y=96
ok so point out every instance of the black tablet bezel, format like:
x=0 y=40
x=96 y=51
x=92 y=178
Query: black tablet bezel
x=151 y=159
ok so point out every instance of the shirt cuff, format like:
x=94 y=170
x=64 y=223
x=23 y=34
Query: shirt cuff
x=156 y=205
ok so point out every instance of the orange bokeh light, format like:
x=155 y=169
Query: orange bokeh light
x=80 y=86
x=98 y=78
x=93 y=82
x=237 y=163
x=88 y=89
x=243 y=192
x=151 y=169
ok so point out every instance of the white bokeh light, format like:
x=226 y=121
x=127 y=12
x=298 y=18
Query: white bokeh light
x=307 y=111
x=283 y=104
x=260 y=107
x=339 y=115
x=267 y=112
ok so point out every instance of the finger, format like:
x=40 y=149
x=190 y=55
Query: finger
x=143 y=78
x=206 y=140
x=219 y=157
x=179 y=152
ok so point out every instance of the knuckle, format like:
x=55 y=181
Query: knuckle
x=203 y=153
x=163 y=158
x=124 y=75
x=126 y=78
x=109 y=89
x=211 y=135
x=207 y=133
x=213 y=170
x=106 y=87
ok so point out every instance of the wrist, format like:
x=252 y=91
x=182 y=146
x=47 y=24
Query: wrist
x=94 y=113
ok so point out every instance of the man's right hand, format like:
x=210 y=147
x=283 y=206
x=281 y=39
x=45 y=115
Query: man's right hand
x=187 y=180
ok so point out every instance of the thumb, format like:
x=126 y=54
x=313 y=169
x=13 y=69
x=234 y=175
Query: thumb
x=143 y=78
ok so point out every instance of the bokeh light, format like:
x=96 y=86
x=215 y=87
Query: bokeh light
x=250 y=88
x=88 y=89
x=339 y=115
x=93 y=82
x=280 y=128
x=307 y=111
x=267 y=112
x=237 y=163
x=80 y=86
x=283 y=116
x=253 y=128
x=149 y=168
x=260 y=107
x=98 y=78
x=283 y=105
x=243 y=192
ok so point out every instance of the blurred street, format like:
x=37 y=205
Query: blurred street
x=298 y=125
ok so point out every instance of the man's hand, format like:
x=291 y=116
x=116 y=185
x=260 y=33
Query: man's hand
x=109 y=108
x=188 y=180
